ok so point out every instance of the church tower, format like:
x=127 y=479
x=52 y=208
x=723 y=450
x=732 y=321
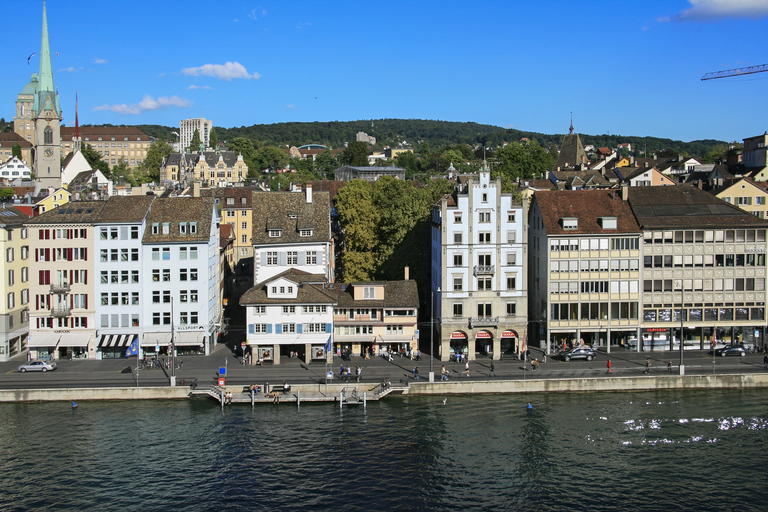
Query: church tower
x=46 y=119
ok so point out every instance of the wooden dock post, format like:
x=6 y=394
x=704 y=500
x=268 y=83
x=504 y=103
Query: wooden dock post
x=365 y=398
x=298 y=398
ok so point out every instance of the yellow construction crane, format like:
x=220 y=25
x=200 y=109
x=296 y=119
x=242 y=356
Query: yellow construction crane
x=736 y=72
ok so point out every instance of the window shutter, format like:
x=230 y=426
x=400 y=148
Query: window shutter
x=251 y=329
x=328 y=328
x=281 y=259
x=298 y=328
x=278 y=328
x=47 y=255
x=36 y=254
x=41 y=277
x=85 y=304
x=37 y=302
x=269 y=328
x=85 y=277
x=85 y=321
x=302 y=258
x=69 y=254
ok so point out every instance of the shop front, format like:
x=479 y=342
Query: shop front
x=190 y=343
x=509 y=344
x=156 y=344
x=459 y=344
x=43 y=345
x=113 y=346
x=74 y=345
x=484 y=343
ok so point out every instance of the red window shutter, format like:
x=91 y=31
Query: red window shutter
x=85 y=321
x=71 y=277
x=72 y=300
x=85 y=277
x=37 y=302
x=85 y=253
x=47 y=255
x=36 y=250
x=69 y=254
x=41 y=277
x=85 y=304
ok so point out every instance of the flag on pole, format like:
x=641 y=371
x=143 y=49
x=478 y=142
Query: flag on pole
x=328 y=345
x=133 y=348
x=33 y=54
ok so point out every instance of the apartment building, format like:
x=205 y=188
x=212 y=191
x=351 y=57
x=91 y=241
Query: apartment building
x=187 y=129
x=62 y=306
x=14 y=286
x=215 y=168
x=748 y=195
x=236 y=206
x=292 y=230
x=289 y=315
x=585 y=252
x=479 y=270
x=118 y=270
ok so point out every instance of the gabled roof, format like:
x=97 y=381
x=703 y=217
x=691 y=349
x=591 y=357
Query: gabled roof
x=686 y=206
x=238 y=193
x=174 y=210
x=397 y=294
x=92 y=133
x=8 y=139
x=311 y=290
x=74 y=212
x=289 y=212
x=588 y=206
x=125 y=209
x=10 y=216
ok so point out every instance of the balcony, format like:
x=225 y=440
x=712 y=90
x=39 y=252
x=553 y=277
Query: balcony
x=484 y=321
x=484 y=269
x=60 y=311
x=60 y=288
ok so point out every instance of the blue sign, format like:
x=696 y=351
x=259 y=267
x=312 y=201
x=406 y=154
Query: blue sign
x=222 y=370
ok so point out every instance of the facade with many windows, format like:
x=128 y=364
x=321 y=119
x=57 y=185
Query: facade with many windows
x=479 y=277
x=14 y=286
x=585 y=269
x=236 y=207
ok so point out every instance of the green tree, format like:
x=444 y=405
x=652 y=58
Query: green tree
x=527 y=160
x=409 y=162
x=16 y=150
x=6 y=194
x=94 y=160
x=360 y=218
x=270 y=157
x=245 y=147
x=214 y=139
x=325 y=163
x=715 y=154
x=194 y=144
x=355 y=154
x=150 y=166
x=121 y=170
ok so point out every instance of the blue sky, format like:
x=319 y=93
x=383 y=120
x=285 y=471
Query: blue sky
x=621 y=67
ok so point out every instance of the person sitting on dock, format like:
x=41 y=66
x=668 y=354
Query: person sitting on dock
x=443 y=373
x=286 y=388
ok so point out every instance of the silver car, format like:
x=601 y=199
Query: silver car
x=37 y=366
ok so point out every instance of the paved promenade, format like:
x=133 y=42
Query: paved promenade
x=122 y=372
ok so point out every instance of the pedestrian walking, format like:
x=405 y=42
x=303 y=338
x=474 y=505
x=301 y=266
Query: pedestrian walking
x=647 y=365
x=415 y=373
x=493 y=370
x=358 y=373
x=466 y=368
x=534 y=365
x=669 y=367
x=765 y=360
x=608 y=365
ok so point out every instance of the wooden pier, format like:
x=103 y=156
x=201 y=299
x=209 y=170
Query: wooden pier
x=347 y=394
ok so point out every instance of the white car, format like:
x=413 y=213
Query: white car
x=37 y=366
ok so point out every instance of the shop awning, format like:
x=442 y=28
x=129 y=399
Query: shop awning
x=74 y=340
x=156 y=338
x=186 y=339
x=116 y=340
x=43 y=340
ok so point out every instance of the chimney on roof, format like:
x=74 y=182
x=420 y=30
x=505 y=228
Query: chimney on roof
x=407 y=273
x=196 y=189
x=624 y=191
x=309 y=193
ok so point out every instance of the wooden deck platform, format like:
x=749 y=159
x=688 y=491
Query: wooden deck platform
x=347 y=394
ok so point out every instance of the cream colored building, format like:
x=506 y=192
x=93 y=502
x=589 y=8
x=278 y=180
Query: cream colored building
x=53 y=200
x=14 y=284
x=111 y=142
x=216 y=168
x=747 y=195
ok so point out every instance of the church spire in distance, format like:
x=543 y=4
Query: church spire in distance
x=46 y=70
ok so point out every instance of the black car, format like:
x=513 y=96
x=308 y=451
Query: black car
x=587 y=353
x=731 y=350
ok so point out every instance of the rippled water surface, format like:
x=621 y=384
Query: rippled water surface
x=627 y=451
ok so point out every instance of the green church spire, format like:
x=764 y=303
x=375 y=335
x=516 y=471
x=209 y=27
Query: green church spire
x=46 y=90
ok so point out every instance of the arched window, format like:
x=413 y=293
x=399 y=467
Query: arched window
x=48 y=135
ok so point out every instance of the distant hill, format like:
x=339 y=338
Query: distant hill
x=391 y=132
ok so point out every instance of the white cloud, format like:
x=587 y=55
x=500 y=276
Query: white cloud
x=235 y=20
x=226 y=71
x=193 y=87
x=147 y=103
x=70 y=69
x=99 y=61
x=290 y=106
x=711 y=10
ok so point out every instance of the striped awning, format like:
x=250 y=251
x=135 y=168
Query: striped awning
x=116 y=340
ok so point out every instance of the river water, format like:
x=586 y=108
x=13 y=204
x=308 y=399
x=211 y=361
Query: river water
x=599 y=451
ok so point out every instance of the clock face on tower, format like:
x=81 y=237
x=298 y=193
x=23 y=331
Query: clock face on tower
x=48 y=152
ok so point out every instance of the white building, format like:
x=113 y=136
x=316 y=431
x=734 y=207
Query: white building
x=292 y=230
x=479 y=270
x=118 y=269
x=187 y=129
x=15 y=169
x=290 y=314
x=180 y=272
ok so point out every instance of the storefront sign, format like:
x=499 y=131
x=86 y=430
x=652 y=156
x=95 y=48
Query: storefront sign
x=655 y=329
x=458 y=335
x=190 y=328
x=508 y=334
x=483 y=335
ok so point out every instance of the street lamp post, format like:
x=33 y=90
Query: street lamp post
x=682 y=319
x=432 y=337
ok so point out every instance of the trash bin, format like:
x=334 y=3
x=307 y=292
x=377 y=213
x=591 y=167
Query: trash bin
x=222 y=381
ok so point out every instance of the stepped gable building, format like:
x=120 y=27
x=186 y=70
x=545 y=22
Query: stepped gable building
x=585 y=269
x=113 y=143
x=289 y=314
x=14 y=310
x=62 y=316
x=479 y=270
x=572 y=154
x=38 y=117
x=704 y=268
x=292 y=230
x=372 y=318
x=217 y=168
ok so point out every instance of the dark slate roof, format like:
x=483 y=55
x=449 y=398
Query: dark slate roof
x=330 y=186
x=397 y=294
x=211 y=158
x=588 y=206
x=125 y=209
x=8 y=139
x=74 y=212
x=571 y=152
x=92 y=133
x=10 y=216
x=630 y=172
x=686 y=206
x=180 y=209
x=312 y=289
x=222 y=193
x=82 y=178
x=273 y=210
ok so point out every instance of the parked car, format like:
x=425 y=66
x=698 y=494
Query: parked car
x=731 y=350
x=587 y=353
x=37 y=366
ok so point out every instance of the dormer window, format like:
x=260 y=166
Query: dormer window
x=306 y=232
x=183 y=228
x=274 y=233
x=155 y=228
x=193 y=228
x=230 y=200
x=608 y=222
x=369 y=292
x=166 y=228
x=293 y=216
x=570 y=223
